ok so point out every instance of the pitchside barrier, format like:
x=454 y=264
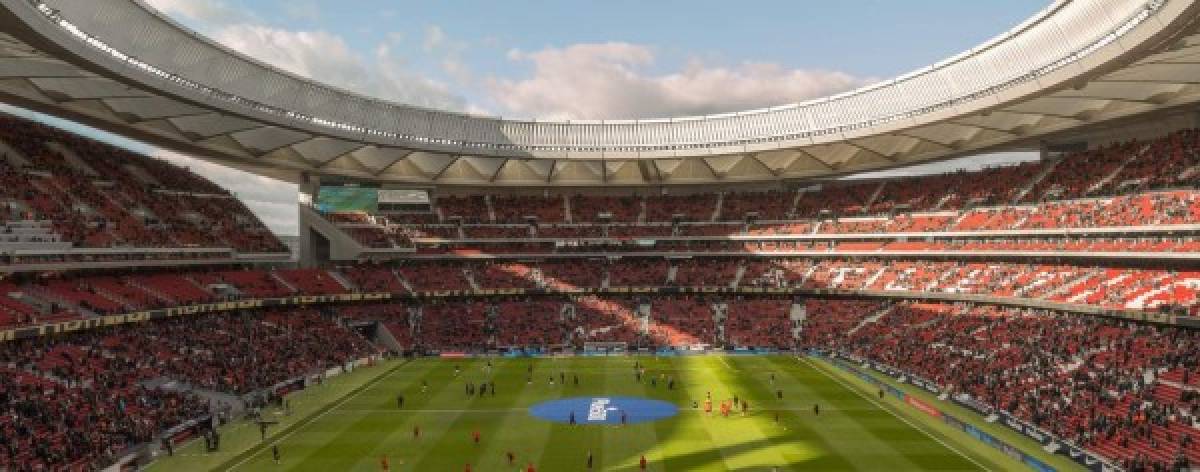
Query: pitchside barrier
x=606 y=349
x=1087 y=459
x=371 y=297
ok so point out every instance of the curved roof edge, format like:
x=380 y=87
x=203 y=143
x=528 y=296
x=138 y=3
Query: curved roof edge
x=122 y=67
x=140 y=41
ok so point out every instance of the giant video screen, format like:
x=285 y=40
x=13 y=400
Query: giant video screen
x=342 y=199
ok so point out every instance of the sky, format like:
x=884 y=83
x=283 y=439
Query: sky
x=584 y=59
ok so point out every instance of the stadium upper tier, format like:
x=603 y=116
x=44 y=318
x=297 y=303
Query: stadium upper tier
x=68 y=199
x=1130 y=199
x=121 y=65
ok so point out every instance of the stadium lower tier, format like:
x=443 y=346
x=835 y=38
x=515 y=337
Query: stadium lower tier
x=1126 y=391
x=81 y=401
x=49 y=299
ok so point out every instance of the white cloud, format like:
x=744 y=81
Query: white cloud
x=449 y=54
x=319 y=55
x=434 y=37
x=326 y=58
x=302 y=10
x=609 y=80
x=205 y=11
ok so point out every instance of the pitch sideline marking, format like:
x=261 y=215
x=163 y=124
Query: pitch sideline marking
x=312 y=419
x=889 y=410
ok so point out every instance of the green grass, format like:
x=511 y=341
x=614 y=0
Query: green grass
x=352 y=421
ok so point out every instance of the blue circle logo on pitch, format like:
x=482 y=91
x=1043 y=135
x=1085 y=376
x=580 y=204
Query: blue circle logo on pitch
x=604 y=410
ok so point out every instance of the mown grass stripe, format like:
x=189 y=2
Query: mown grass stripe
x=891 y=410
x=283 y=434
x=850 y=433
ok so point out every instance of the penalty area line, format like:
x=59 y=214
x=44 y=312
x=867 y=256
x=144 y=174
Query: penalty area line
x=893 y=413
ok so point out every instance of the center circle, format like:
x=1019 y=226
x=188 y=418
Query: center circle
x=603 y=410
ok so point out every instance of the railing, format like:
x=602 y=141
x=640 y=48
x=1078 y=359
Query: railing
x=367 y=297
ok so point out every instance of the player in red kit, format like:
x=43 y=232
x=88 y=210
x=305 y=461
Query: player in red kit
x=642 y=463
x=383 y=464
x=475 y=436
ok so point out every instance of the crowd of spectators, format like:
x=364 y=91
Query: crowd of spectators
x=78 y=401
x=1098 y=383
x=45 y=299
x=759 y=322
x=1168 y=207
x=97 y=195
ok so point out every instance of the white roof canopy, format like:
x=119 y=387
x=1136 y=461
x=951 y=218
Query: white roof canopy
x=120 y=65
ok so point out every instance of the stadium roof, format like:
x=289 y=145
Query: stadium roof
x=122 y=66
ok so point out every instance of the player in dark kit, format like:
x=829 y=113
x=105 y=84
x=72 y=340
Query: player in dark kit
x=816 y=409
x=400 y=400
x=571 y=419
x=275 y=453
x=589 y=460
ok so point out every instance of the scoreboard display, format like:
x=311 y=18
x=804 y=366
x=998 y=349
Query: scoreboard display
x=347 y=198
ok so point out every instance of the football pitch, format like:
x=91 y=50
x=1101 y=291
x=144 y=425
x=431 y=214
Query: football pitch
x=352 y=422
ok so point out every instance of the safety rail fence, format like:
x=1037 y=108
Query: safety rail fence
x=49 y=329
